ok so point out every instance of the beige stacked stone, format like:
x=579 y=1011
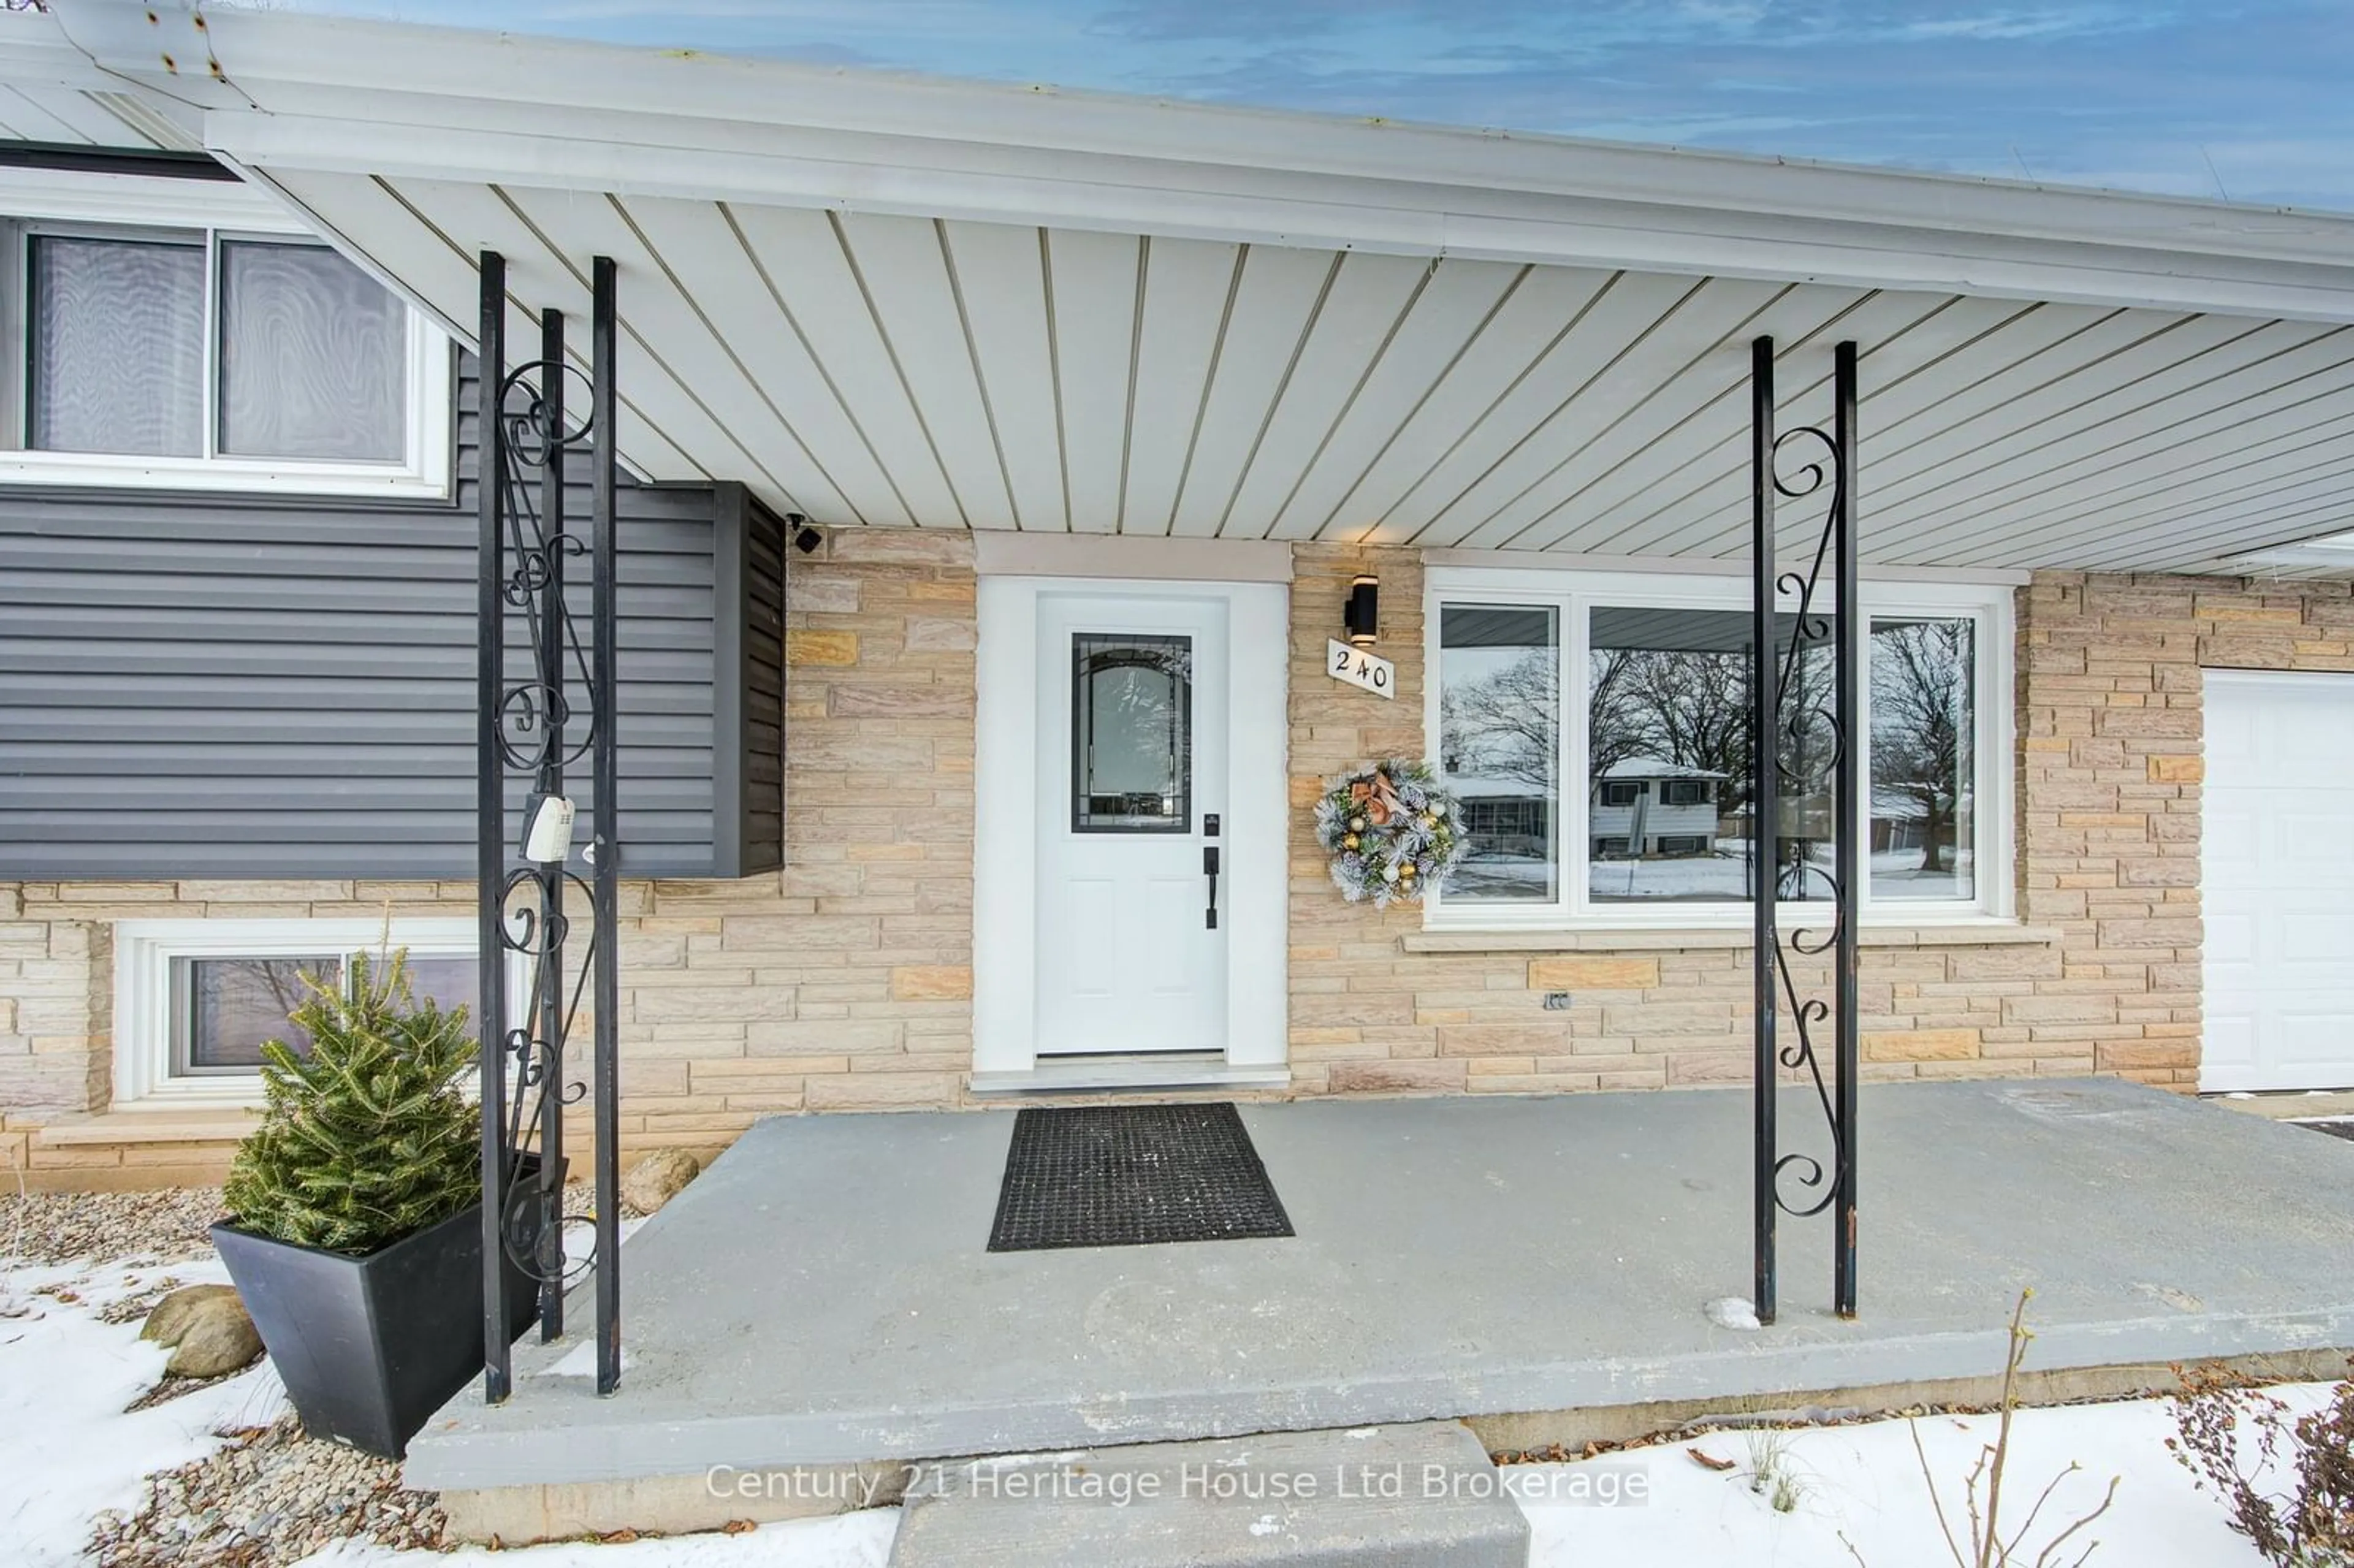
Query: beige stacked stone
x=2110 y=773
x=2101 y=977
x=845 y=982
x=1379 y=1006
x=55 y=1016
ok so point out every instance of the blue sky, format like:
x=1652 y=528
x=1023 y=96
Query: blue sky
x=2251 y=99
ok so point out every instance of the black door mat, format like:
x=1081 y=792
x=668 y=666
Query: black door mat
x=1131 y=1176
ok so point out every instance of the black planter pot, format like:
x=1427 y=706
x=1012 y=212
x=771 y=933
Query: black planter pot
x=369 y=1348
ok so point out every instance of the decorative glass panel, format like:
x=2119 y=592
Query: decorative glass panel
x=313 y=356
x=1131 y=734
x=230 y=1006
x=117 y=342
x=1923 y=728
x=1500 y=747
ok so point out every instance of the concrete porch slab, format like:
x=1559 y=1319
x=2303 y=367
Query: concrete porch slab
x=821 y=1294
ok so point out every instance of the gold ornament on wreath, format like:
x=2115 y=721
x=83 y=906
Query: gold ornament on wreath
x=1393 y=831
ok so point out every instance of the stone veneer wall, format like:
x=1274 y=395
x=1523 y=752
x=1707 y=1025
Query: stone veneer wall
x=2111 y=767
x=2103 y=978
x=844 y=982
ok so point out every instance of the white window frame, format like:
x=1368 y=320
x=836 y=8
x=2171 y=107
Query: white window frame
x=1573 y=594
x=144 y=1007
x=131 y=206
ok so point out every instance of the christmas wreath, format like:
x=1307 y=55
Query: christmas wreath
x=1392 y=831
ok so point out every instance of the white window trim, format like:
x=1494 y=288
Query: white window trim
x=1574 y=593
x=143 y=952
x=96 y=201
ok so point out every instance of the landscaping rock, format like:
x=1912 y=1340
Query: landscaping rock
x=168 y=1320
x=269 y=1498
x=219 y=1342
x=207 y=1329
x=657 y=1179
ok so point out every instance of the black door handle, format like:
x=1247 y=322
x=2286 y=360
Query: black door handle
x=1210 y=868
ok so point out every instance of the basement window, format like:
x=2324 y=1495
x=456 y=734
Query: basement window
x=195 y=1000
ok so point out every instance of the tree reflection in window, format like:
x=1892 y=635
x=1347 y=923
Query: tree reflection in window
x=1131 y=734
x=1924 y=702
x=230 y=1006
x=1500 y=747
x=225 y=1008
x=1669 y=745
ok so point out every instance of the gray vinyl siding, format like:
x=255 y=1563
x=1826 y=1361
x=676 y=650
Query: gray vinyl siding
x=751 y=553
x=224 y=687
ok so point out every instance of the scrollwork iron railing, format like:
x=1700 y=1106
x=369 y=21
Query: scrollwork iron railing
x=546 y=704
x=1805 y=743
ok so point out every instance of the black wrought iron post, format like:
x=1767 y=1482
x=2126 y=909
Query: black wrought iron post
x=1764 y=702
x=605 y=369
x=549 y=786
x=489 y=815
x=1852 y=826
x=535 y=724
x=1804 y=744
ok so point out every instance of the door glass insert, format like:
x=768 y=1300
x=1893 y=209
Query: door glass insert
x=1131 y=734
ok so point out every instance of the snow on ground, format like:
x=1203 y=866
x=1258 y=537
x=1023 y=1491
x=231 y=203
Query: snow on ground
x=1864 y=1482
x=67 y=1450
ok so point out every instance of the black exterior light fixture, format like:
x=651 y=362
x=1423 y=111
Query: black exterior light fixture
x=1362 y=613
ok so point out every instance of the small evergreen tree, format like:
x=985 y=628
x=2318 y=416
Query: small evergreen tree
x=369 y=1139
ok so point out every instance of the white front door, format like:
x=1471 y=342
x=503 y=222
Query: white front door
x=2276 y=880
x=1131 y=809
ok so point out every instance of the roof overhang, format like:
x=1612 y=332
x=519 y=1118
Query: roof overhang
x=899 y=300
x=335 y=95
x=54 y=94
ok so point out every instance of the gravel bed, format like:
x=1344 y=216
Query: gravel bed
x=139 y=1298
x=272 y=1497
x=127 y=1229
x=120 y=1228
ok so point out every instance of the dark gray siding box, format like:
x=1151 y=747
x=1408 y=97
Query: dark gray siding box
x=221 y=686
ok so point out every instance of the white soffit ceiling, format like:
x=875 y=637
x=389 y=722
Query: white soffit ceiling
x=894 y=301
x=30 y=112
x=902 y=371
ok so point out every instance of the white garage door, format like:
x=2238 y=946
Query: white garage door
x=2277 y=881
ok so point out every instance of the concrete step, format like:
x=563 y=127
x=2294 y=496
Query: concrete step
x=1421 y=1496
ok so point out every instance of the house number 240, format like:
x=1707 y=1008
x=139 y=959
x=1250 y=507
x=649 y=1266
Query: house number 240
x=1368 y=672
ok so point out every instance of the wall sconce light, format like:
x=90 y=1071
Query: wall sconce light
x=1362 y=613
